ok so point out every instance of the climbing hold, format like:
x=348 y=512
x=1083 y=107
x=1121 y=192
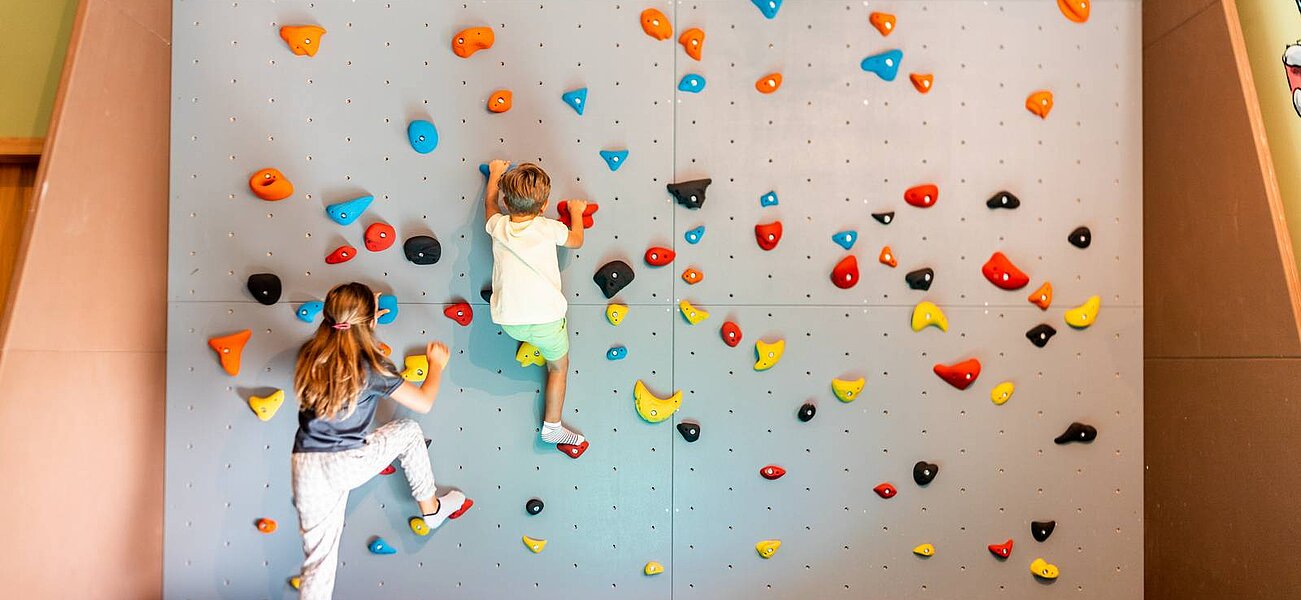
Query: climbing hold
x=416 y=368
x=468 y=41
x=614 y=158
x=769 y=9
x=265 y=288
x=1044 y=569
x=1042 y=529
x=265 y=407
x=616 y=353
x=342 y=254
x=576 y=99
x=389 y=470
x=379 y=546
x=385 y=349
x=534 y=546
x=768 y=354
x=658 y=256
x=1042 y=297
x=922 y=196
x=924 y=550
x=926 y=314
x=885 y=490
x=883 y=22
x=885 y=64
x=1003 y=199
x=769 y=199
x=845 y=274
x=1078 y=432
x=270 y=184
x=612 y=277
x=886 y=257
x=692 y=314
x=308 y=311
x=265 y=525
x=486 y=294
x=1080 y=237
x=653 y=568
x=615 y=313
x=563 y=208
x=387 y=303
x=767 y=548
x=806 y=412
x=654 y=409
x=1075 y=10
x=845 y=239
x=296 y=582
x=422 y=135
x=1040 y=103
x=529 y=355
x=1083 y=315
x=534 y=506
x=924 y=472
x=500 y=101
x=461 y=312
x=768 y=234
x=690 y=431
x=422 y=250
x=229 y=348
x=303 y=40
x=959 y=375
x=469 y=502
x=571 y=450
x=693 y=236
x=768 y=83
x=920 y=279
x=692 y=276
x=1002 y=393
x=690 y=194
x=418 y=526
x=691 y=83
x=1002 y=550
x=772 y=472
x=379 y=236
x=1000 y=271
x=922 y=82
x=731 y=333
x=847 y=390
x=1040 y=334
x=693 y=41
x=655 y=24
x=344 y=213
x=884 y=218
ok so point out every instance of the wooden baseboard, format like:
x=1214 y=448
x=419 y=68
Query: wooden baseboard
x=21 y=149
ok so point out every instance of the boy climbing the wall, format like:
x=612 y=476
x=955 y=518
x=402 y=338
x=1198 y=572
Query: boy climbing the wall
x=527 y=300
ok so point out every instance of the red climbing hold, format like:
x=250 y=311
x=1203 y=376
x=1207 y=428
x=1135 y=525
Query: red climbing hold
x=768 y=234
x=959 y=375
x=771 y=472
x=845 y=274
x=731 y=333
x=464 y=508
x=887 y=257
x=658 y=256
x=500 y=101
x=592 y=207
x=389 y=470
x=922 y=196
x=692 y=40
x=341 y=254
x=474 y=39
x=1001 y=272
x=571 y=450
x=768 y=83
x=460 y=312
x=1002 y=550
x=379 y=236
x=885 y=490
x=655 y=24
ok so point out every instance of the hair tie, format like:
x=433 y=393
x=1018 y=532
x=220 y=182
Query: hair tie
x=342 y=326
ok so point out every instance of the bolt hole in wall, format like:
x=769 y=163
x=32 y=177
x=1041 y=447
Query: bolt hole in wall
x=860 y=308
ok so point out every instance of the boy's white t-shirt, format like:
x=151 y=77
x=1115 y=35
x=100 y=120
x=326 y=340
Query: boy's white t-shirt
x=522 y=295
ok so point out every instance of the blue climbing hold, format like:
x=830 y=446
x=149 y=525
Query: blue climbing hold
x=379 y=546
x=344 y=213
x=693 y=236
x=769 y=199
x=483 y=168
x=885 y=64
x=576 y=99
x=390 y=303
x=614 y=158
x=308 y=311
x=692 y=84
x=846 y=239
x=423 y=136
x=616 y=353
x=769 y=8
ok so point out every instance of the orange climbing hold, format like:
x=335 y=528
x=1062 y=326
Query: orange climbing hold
x=1040 y=103
x=887 y=258
x=229 y=348
x=922 y=196
x=474 y=39
x=655 y=24
x=499 y=101
x=270 y=184
x=1075 y=10
x=266 y=525
x=1042 y=297
x=768 y=83
x=922 y=81
x=692 y=276
x=303 y=40
x=692 y=40
x=883 y=22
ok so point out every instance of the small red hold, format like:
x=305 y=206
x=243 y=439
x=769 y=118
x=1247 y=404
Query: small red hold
x=571 y=450
x=771 y=472
x=959 y=375
x=460 y=312
x=379 y=236
x=658 y=256
x=922 y=196
x=592 y=207
x=887 y=258
x=731 y=333
x=768 y=234
x=1000 y=271
x=460 y=511
x=1002 y=550
x=342 y=254
x=885 y=490
x=845 y=273
x=389 y=470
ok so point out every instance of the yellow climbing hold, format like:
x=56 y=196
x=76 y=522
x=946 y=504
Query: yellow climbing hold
x=847 y=391
x=926 y=314
x=654 y=409
x=1083 y=315
x=1002 y=392
x=416 y=368
x=615 y=313
x=418 y=526
x=296 y=582
x=266 y=407
x=529 y=355
x=692 y=314
x=534 y=546
x=1042 y=568
x=924 y=550
x=767 y=548
x=768 y=354
x=653 y=568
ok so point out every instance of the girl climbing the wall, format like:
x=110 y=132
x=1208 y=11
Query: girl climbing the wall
x=340 y=377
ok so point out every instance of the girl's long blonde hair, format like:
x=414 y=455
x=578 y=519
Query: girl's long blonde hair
x=331 y=369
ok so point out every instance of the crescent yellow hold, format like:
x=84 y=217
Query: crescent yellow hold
x=1044 y=569
x=1083 y=315
x=653 y=568
x=927 y=314
x=924 y=550
x=692 y=314
x=529 y=355
x=266 y=407
x=847 y=391
x=615 y=313
x=767 y=548
x=534 y=546
x=1002 y=392
x=416 y=368
x=768 y=354
x=655 y=409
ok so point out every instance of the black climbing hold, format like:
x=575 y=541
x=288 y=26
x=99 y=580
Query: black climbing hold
x=807 y=411
x=1003 y=199
x=1078 y=432
x=428 y=442
x=690 y=194
x=612 y=277
x=422 y=250
x=924 y=472
x=920 y=279
x=1040 y=334
x=883 y=218
x=533 y=506
x=1081 y=237
x=1042 y=529
x=690 y=431
x=265 y=288
x=486 y=294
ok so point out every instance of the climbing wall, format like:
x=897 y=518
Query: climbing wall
x=834 y=143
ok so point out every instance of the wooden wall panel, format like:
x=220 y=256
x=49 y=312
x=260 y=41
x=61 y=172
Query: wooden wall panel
x=16 y=181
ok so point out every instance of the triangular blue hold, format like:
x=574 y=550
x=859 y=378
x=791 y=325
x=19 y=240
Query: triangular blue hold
x=308 y=311
x=423 y=136
x=576 y=99
x=769 y=8
x=885 y=64
x=379 y=546
x=614 y=158
x=769 y=199
x=693 y=236
x=691 y=84
x=389 y=303
x=483 y=168
x=846 y=239
x=344 y=213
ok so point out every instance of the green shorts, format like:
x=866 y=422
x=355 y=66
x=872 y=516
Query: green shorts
x=552 y=339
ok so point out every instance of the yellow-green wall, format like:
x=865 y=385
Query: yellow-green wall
x=33 y=41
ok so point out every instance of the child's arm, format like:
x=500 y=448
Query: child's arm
x=421 y=399
x=491 y=207
x=576 y=208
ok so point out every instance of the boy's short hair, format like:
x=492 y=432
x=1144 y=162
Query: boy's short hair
x=526 y=188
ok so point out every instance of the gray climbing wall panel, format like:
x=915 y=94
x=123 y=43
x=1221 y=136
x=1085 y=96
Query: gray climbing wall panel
x=835 y=143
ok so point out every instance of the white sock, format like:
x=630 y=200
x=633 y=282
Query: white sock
x=555 y=433
x=447 y=504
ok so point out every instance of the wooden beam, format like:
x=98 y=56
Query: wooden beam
x=21 y=149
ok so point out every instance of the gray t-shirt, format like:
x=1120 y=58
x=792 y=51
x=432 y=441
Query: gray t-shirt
x=345 y=432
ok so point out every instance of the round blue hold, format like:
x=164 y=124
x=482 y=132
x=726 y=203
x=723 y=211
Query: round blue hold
x=423 y=136
x=616 y=353
x=309 y=310
x=389 y=303
x=692 y=84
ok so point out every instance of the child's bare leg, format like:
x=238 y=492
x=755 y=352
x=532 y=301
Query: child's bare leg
x=553 y=432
